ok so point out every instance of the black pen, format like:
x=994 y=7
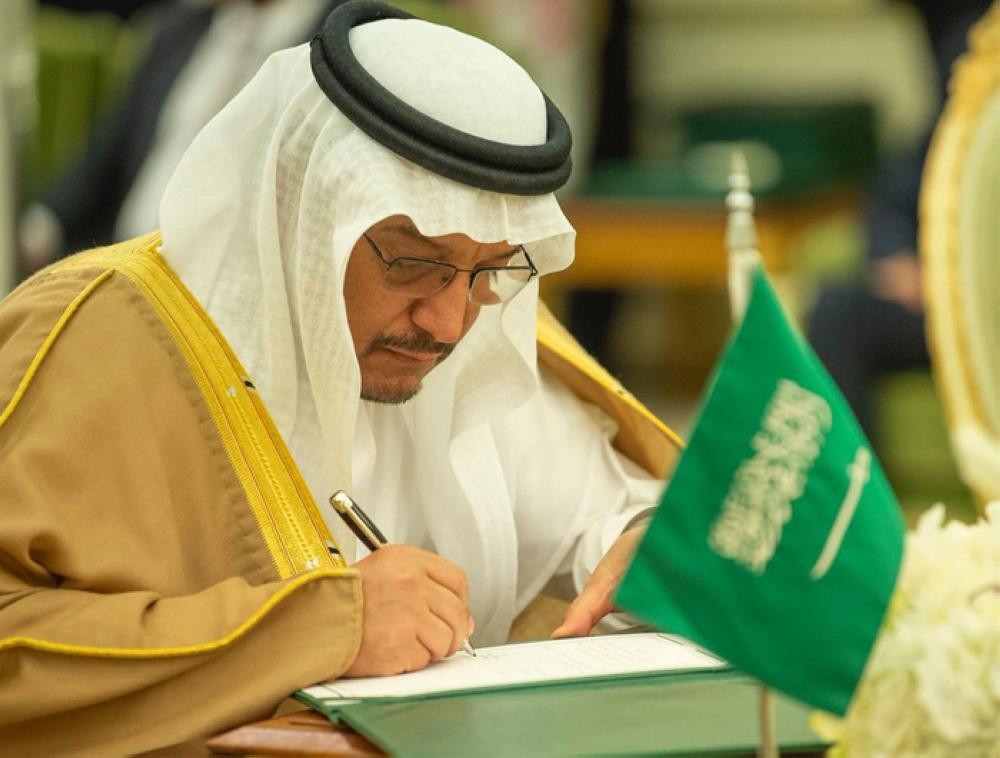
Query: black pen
x=366 y=531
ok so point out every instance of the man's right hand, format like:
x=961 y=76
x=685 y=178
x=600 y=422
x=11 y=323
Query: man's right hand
x=416 y=610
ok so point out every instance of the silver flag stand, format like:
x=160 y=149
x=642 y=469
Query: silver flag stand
x=744 y=258
x=741 y=236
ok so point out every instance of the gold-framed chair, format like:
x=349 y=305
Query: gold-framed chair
x=960 y=252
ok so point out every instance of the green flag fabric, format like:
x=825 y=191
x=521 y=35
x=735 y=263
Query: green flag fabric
x=778 y=540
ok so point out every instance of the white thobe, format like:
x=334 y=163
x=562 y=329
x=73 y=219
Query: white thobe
x=569 y=494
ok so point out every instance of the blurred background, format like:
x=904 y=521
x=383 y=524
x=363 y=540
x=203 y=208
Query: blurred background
x=831 y=101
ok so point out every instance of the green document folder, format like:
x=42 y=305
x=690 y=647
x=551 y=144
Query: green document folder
x=678 y=713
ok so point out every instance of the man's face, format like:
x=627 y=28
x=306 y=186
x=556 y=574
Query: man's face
x=398 y=339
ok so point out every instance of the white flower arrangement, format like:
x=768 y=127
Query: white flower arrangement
x=932 y=684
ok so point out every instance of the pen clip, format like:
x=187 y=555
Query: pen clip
x=380 y=539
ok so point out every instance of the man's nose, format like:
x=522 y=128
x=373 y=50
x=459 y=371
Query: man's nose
x=443 y=314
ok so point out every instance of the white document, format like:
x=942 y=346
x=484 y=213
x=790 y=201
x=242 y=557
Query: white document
x=530 y=663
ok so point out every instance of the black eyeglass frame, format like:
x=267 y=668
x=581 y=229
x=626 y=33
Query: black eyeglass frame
x=455 y=271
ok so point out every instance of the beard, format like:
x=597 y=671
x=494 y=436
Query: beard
x=398 y=391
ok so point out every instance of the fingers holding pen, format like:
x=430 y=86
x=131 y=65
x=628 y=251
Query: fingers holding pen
x=455 y=616
x=438 y=638
x=451 y=577
x=415 y=610
x=453 y=580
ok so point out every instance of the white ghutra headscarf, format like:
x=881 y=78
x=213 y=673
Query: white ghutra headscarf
x=260 y=218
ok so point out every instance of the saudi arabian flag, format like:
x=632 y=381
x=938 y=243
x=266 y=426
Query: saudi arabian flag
x=777 y=543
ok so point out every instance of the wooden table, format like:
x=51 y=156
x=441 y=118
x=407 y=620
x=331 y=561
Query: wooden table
x=304 y=733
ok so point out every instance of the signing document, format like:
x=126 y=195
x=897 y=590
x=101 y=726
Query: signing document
x=529 y=663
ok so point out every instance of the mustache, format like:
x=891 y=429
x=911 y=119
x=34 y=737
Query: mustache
x=419 y=342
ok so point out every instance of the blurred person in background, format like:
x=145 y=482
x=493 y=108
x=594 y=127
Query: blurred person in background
x=200 y=55
x=123 y=9
x=591 y=312
x=863 y=331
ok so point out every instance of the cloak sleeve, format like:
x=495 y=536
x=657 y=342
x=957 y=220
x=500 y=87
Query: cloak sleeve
x=143 y=601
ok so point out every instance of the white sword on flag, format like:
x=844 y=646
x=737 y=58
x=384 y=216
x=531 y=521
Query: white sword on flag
x=744 y=258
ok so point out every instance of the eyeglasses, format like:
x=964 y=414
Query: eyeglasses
x=423 y=277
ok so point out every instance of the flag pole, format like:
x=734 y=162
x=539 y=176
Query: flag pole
x=741 y=241
x=767 y=745
x=741 y=236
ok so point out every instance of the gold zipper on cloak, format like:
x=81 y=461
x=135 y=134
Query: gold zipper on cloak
x=296 y=536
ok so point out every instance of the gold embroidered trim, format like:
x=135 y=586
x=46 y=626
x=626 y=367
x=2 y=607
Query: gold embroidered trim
x=294 y=532
x=641 y=435
x=552 y=334
x=181 y=650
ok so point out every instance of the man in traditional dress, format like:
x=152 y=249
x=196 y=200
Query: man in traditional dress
x=344 y=296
